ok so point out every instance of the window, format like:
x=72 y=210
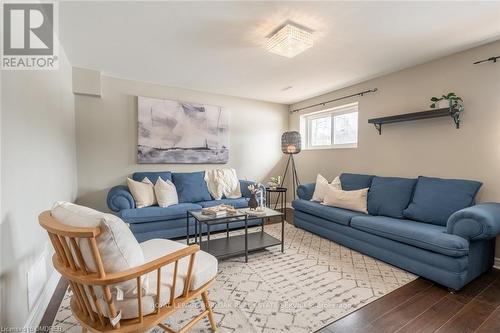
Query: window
x=332 y=128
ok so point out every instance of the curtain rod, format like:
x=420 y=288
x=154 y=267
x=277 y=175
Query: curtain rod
x=492 y=59
x=334 y=100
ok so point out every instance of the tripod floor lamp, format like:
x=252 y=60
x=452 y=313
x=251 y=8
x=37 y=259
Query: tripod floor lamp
x=291 y=144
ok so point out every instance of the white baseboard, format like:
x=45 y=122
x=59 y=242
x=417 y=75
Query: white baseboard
x=42 y=303
x=496 y=263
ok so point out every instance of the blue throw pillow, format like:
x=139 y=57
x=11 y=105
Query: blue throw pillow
x=191 y=186
x=152 y=176
x=435 y=199
x=389 y=196
x=352 y=181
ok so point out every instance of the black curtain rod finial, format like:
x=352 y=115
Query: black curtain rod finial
x=492 y=59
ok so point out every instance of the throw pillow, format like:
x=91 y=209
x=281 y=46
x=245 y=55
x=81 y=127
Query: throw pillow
x=353 y=181
x=322 y=186
x=117 y=245
x=143 y=192
x=191 y=186
x=165 y=192
x=353 y=200
x=435 y=199
x=389 y=196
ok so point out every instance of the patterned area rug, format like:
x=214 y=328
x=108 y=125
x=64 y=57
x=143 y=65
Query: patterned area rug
x=312 y=284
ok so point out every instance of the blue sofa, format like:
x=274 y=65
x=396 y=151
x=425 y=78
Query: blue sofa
x=170 y=222
x=428 y=226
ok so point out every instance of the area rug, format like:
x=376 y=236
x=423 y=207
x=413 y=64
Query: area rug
x=312 y=284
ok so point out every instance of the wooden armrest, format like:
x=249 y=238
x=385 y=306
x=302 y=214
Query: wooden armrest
x=129 y=274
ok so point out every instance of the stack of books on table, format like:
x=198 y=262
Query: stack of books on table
x=219 y=211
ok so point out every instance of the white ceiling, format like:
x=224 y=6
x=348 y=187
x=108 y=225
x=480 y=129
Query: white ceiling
x=218 y=46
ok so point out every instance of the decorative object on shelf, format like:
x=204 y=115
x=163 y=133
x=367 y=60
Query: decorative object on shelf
x=274 y=182
x=438 y=113
x=451 y=101
x=256 y=189
x=492 y=59
x=178 y=132
x=291 y=144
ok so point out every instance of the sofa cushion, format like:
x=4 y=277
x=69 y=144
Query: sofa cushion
x=435 y=199
x=422 y=235
x=236 y=203
x=152 y=176
x=191 y=186
x=338 y=215
x=389 y=196
x=155 y=213
x=352 y=181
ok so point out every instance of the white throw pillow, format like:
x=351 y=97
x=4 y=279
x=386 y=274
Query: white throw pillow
x=166 y=193
x=322 y=186
x=353 y=200
x=143 y=192
x=117 y=245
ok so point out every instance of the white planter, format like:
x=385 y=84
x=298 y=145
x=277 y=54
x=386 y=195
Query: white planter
x=443 y=104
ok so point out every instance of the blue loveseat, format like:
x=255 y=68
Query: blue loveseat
x=170 y=222
x=428 y=226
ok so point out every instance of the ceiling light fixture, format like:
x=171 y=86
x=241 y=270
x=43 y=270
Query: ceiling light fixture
x=290 y=40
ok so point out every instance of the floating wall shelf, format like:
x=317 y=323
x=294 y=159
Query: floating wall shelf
x=435 y=113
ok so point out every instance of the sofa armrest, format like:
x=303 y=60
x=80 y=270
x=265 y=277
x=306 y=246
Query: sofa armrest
x=306 y=191
x=120 y=198
x=478 y=222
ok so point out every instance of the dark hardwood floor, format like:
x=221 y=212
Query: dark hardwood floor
x=420 y=306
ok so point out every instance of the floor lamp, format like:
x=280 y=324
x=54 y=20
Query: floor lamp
x=291 y=144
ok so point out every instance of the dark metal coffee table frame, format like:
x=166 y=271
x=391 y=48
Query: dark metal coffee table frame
x=230 y=246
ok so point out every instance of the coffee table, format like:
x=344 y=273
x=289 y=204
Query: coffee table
x=235 y=245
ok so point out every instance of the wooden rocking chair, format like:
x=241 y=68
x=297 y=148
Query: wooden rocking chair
x=102 y=315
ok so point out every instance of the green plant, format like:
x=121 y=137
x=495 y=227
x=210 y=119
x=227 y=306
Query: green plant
x=455 y=102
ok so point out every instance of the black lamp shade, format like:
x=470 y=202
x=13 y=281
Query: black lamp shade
x=291 y=142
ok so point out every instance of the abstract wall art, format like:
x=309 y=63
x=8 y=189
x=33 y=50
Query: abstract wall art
x=180 y=132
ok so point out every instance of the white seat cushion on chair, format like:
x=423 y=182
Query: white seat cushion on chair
x=204 y=269
x=117 y=245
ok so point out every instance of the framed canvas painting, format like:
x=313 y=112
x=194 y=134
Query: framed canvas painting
x=179 y=132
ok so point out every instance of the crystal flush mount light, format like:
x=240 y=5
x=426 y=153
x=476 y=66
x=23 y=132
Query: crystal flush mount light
x=289 y=41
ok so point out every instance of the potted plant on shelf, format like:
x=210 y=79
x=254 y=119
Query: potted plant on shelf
x=451 y=101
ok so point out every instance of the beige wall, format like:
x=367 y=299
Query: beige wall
x=106 y=131
x=38 y=167
x=426 y=147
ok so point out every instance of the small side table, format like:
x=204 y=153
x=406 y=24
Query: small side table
x=281 y=198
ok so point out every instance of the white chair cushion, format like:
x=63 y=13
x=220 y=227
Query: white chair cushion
x=205 y=264
x=204 y=269
x=117 y=245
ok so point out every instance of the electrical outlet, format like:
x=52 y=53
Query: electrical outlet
x=37 y=278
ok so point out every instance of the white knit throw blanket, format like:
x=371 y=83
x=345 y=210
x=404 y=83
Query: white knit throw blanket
x=222 y=182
